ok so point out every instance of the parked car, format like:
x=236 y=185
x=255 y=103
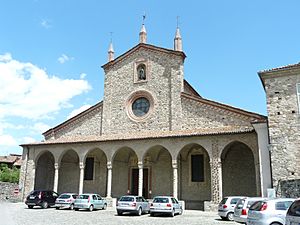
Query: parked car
x=90 y=202
x=226 y=206
x=293 y=214
x=132 y=204
x=269 y=211
x=165 y=205
x=43 y=198
x=66 y=200
x=242 y=207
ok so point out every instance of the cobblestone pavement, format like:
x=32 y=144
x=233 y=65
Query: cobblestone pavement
x=19 y=214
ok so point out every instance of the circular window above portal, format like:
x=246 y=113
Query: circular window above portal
x=139 y=105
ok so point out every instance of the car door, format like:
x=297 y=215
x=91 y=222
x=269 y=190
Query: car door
x=100 y=201
x=95 y=202
x=175 y=205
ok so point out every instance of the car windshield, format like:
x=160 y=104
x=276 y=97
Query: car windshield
x=126 y=199
x=161 y=200
x=35 y=193
x=83 y=197
x=64 y=196
x=223 y=201
x=240 y=203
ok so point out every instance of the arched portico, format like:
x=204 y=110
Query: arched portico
x=194 y=176
x=68 y=179
x=158 y=163
x=238 y=170
x=95 y=170
x=124 y=172
x=44 y=171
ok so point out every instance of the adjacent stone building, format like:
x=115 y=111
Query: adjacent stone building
x=282 y=87
x=152 y=134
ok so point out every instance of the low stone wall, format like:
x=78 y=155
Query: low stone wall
x=7 y=192
x=289 y=188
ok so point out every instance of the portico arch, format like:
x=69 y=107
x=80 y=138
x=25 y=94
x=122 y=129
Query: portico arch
x=68 y=180
x=44 y=171
x=124 y=162
x=194 y=176
x=95 y=179
x=158 y=161
x=238 y=170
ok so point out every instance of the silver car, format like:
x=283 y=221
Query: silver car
x=271 y=211
x=165 y=205
x=90 y=202
x=293 y=214
x=226 y=206
x=242 y=207
x=132 y=204
x=66 y=200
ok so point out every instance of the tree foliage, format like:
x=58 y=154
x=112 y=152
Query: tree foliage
x=9 y=174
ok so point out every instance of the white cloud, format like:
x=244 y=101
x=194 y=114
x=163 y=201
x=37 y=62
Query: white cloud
x=27 y=140
x=77 y=111
x=64 y=58
x=7 y=140
x=46 y=23
x=82 y=75
x=40 y=127
x=28 y=91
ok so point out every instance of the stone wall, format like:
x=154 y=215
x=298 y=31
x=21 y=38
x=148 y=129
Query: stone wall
x=7 y=192
x=284 y=124
x=289 y=188
x=164 y=84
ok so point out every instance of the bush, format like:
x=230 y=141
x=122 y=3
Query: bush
x=9 y=174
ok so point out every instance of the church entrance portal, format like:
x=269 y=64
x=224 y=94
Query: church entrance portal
x=135 y=182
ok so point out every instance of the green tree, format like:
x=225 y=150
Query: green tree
x=9 y=175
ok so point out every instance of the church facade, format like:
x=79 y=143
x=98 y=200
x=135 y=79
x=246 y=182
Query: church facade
x=152 y=134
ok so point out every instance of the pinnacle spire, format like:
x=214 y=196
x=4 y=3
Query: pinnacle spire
x=177 y=39
x=143 y=33
x=111 y=50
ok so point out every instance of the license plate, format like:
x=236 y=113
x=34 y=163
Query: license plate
x=125 y=204
x=61 y=201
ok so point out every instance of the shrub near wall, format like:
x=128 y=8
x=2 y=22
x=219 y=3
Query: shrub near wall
x=9 y=174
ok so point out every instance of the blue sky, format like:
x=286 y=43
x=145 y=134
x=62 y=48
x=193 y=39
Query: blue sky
x=51 y=53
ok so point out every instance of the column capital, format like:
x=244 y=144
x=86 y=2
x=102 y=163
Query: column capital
x=81 y=165
x=56 y=166
x=109 y=165
x=174 y=164
x=140 y=164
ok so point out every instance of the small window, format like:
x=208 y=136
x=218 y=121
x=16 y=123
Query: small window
x=94 y=197
x=283 y=205
x=141 y=72
x=234 y=201
x=89 y=169
x=197 y=168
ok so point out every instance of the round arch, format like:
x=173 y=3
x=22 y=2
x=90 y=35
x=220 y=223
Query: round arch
x=68 y=179
x=124 y=176
x=44 y=171
x=158 y=174
x=238 y=170
x=194 y=174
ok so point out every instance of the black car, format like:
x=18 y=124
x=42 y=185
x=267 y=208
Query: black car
x=43 y=198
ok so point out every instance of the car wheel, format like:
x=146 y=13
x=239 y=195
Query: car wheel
x=172 y=213
x=91 y=208
x=30 y=206
x=180 y=212
x=230 y=216
x=119 y=212
x=72 y=206
x=139 y=212
x=45 y=205
x=104 y=207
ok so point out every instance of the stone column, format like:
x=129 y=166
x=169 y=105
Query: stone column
x=81 y=177
x=216 y=180
x=175 y=178
x=109 y=179
x=56 y=170
x=140 y=190
x=264 y=157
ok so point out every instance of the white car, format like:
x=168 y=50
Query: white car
x=165 y=205
x=132 y=204
x=293 y=214
x=66 y=200
x=226 y=206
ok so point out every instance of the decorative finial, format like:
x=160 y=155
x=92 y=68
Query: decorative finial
x=177 y=18
x=177 y=39
x=111 y=49
x=143 y=33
